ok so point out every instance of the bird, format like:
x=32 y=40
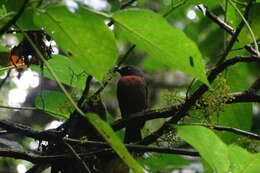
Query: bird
x=132 y=98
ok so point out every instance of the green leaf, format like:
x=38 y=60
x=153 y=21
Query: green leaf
x=162 y=162
x=242 y=161
x=233 y=19
x=107 y=132
x=151 y=32
x=26 y=20
x=237 y=115
x=55 y=103
x=67 y=71
x=208 y=144
x=254 y=22
x=3 y=49
x=83 y=35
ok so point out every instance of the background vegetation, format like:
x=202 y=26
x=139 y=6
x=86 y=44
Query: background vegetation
x=59 y=111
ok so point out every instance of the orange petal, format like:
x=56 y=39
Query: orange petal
x=17 y=62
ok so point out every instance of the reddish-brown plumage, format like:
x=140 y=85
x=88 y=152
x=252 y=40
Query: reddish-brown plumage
x=131 y=94
x=132 y=98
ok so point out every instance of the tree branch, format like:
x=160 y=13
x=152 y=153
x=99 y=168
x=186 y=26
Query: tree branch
x=144 y=116
x=37 y=159
x=52 y=136
x=138 y=148
x=85 y=91
x=182 y=111
x=217 y=20
x=256 y=86
x=29 y=132
x=119 y=63
x=244 y=97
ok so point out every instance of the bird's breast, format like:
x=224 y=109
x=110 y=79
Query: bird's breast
x=131 y=93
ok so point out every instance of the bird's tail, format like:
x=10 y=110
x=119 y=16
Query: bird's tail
x=132 y=134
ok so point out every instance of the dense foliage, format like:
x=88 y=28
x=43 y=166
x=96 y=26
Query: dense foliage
x=201 y=63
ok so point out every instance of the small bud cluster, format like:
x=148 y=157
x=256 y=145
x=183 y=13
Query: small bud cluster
x=83 y=139
x=169 y=140
x=215 y=98
x=172 y=98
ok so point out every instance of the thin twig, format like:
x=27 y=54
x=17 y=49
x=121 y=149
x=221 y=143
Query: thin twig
x=174 y=7
x=123 y=6
x=250 y=49
x=38 y=168
x=120 y=62
x=28 y=131
x=5 y=78
x=18 y=108
x=11 y=31
x=82 y=162
x=85 y=91
x=247 y=25
x=229 y=129
x=217 y=20
x=138 y=148
x=39 y=159
x=255 y=86
x=127 y=4
x=3 y=132
x=237 y=32
x=28 y=109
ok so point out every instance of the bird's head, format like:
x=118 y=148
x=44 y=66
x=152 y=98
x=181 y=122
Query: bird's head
x=129 y=70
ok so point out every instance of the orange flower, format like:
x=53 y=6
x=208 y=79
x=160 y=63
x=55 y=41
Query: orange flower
x=17 y=62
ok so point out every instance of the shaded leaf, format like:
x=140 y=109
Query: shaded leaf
x=242 y=161
x=67 y=71
x=254 y=22
x=150 y=32
x=82 y=35
x=55 y=103
x=162 y=162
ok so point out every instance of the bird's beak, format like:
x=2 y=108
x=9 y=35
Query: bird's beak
x=117 y=69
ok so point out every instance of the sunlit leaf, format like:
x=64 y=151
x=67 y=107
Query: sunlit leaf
x=106 y=131
x=243 y=161
x=208 y=144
